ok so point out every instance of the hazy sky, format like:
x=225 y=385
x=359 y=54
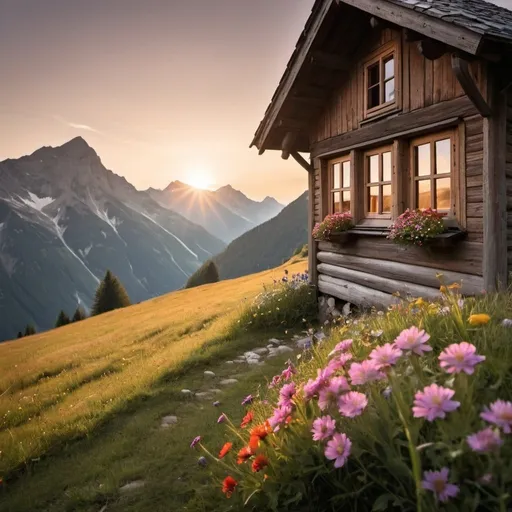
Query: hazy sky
x=162 y=89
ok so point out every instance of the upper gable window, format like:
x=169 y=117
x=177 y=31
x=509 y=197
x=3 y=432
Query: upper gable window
x=380 y=82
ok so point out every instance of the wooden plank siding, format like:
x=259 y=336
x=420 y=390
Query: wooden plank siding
x=508 y=173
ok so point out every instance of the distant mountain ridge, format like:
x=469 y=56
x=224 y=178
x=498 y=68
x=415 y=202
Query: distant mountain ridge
x=227 y=213
x=267 y=245
x=65 y=219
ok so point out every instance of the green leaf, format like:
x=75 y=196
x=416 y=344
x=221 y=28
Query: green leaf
x=381 y=503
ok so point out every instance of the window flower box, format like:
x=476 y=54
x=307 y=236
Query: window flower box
x=334 y=228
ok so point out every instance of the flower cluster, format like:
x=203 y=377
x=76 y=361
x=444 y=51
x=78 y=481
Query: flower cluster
x=415 y=227
x=334 y=223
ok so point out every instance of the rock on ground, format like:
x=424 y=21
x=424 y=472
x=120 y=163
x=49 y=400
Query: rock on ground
x=167 y=421
x=228 y=382
x=187 y=392
x=132 y=486
x=208 y=373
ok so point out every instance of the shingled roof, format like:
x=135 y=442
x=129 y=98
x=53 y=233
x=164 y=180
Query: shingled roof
x=476 y=15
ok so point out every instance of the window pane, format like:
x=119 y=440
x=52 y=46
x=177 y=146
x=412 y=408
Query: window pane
x=423 y=160
x=373 y=199
x=373 y=163
x=389 y=90
x=373 y=75
x=443 y=195
x=423 y=194
x=346 y=174
x=336 y=203
x=336 y=169
x=386 y=199
x=345 y=205
x=374 y=96
x=443 y=157
x=386 y=166
x=389 y=68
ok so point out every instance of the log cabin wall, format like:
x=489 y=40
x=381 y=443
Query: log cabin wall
x=509 y=179
x=368 y=270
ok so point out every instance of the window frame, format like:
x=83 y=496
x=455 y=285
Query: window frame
x=454 y=212
x=392 y=49
x=330 y=180
x=381 y=183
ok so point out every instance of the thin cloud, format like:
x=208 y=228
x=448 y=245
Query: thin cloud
x=78 y=126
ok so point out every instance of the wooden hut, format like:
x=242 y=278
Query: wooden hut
x=402 y=104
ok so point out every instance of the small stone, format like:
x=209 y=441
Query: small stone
x=331 y=302
x=204 y=395
x=253 y=361
x=304 y=342
x=283 y=349
x=228 y=382
x=260 y=351
x=251 y=355
x=187 y=392
x=132 y=486
x=230 y=362
x=240 y=361
x=167 y=421
x=208 y=373
x=275 y=341
x=215 y=391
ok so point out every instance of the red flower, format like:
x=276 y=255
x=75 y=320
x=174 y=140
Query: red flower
x=247 y=419
x=254 y=443
x=261 y=431
x=243 y=455
x=225 y=450
x=259 y=463
x=228 y=486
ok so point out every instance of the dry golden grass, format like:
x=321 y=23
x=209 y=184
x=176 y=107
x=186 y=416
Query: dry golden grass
x=60 y=384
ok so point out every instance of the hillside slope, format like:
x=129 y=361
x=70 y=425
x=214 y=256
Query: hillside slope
x=267 y=245
x=65 y=219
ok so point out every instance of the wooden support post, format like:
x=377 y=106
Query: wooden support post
x=312 y=249
x=494 y=184
x=303 y=162
x=357 y=178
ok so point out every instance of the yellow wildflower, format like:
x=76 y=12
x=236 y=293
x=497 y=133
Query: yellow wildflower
x=454 y=286
x=480 y=319
x=419 y=302
x=443 y=289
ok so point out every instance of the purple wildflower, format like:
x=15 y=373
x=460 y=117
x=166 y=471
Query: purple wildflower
x=500 y=414
x=385 y=356
x=286 y=395
x=288 y=372
x=202 y=461
x=279 y=417
x=216 y=403
x=247 y=400
x=323 y=428
x=413 y=340
x=338 y=449
x=367 y=371
x=222 y=418
x=311 y=389
x=437 y=482
x=460 y=357
x=342 y=346
x=337 y=363
x=434 y=402
x=352 y=404
x=485 y=441
x=275 y=381
x=329 y=394
x=195 y=441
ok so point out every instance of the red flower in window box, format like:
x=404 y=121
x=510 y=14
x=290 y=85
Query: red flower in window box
x=416 y=227
x=333 y=225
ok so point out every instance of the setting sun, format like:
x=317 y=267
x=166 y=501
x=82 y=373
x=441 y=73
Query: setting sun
x=200 y=179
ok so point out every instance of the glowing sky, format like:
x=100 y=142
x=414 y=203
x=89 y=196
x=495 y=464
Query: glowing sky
x=160 y=88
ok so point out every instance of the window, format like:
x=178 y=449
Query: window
x=378 y=174
x=339 y=188
x=432 y=172
x=380 y=81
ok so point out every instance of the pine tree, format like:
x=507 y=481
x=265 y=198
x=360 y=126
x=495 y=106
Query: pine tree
x=20 y=334
x=29 y=330
x=79 y=314
x=208 y=273
x=110 y=295
x=62 y=319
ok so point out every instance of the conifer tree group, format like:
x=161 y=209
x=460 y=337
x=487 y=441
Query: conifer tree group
x=208 y=273
x=110 y=295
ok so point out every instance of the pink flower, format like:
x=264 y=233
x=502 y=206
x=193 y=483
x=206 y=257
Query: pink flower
x=323 y=376
x=279 y=417
x=367 y=371
x=413 y=340
x=434 y=402
x=385 y=356
x=339 y=362
x=352 y=404
x=485 y=441
x=286 y=395
x=460 y=357
x=329 y=395
x=342 y=346
x=437 y=482
x=323 y=428
x=499 y=413
x=311 y=389
x=275 y=381
x=288 y=372
x=338 y=449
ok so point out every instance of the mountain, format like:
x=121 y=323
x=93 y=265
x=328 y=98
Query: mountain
x=226 y=213
x=267 y=245
x=65 y=219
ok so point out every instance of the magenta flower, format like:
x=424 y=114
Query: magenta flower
x=222 y=418
x=352 y=404
x=288 y=372
x=413 y=340
x=338 y=449
x=275 y=381
x=286 y=395
x=367 y=371
x=485 y=441
x=329 y=395
x=339 y=362
x=385 y=356
x=247 y=400
x=279 y=417
x=195 y=441
x=323 y=376
x=437 y=482
x=323 y=428
x=500 y=414
x=311 y=389
x=460 y=357
x=342 y=346
x=434 y=402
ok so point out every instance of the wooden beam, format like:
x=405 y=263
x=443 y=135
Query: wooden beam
x=435 y=28
x=430 y=49
x=292 y=123
x=432 y=118
x=311 y=224
x=290 y=76
x=303 y=162
x=460 y=67
x=330 y=61
x=495 y=190
x=287 y=146
x=416 y=274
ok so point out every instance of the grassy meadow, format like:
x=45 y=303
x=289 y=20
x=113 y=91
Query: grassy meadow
x=60 y=385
